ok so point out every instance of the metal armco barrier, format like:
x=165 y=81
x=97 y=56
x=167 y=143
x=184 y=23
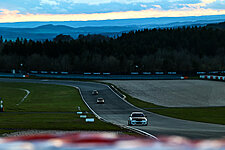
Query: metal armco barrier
x=212 y=77
x=107 y=76
x=113 y=77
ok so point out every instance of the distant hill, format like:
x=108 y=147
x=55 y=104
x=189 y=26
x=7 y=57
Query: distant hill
x=49 y=30
x=119 y=22
x=53 y=28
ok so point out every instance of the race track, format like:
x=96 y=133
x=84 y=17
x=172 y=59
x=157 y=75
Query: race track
x=116 y=110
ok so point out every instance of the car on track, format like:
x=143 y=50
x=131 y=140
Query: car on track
x=94 y=92
x=100 y=100
x=137 y=118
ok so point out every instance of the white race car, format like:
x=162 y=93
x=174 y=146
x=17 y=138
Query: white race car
x=94 y=92
x=137 y=118
x=100 y=100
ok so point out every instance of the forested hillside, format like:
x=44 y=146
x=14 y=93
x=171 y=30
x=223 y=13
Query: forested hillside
x=217 y=26
x=181 y=49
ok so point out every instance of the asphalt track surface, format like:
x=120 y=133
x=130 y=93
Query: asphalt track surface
x=116 y=110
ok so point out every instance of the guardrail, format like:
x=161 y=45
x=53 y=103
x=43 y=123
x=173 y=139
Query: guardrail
x=10 y=75
x=97 y=76
x=211 y=77
x=104 y=73
x=113 y=77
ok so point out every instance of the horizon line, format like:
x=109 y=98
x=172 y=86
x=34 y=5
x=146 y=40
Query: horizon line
x=112 y=19
x=7 y=16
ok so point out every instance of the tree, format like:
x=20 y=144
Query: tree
x=63 y=38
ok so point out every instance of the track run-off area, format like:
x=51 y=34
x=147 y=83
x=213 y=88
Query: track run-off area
x=116 y=110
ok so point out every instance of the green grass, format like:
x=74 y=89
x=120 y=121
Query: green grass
x=140 y=103
x=214 y=115
x=52 y=122
x=43 y=103
x=43 y=97
x=2 y=132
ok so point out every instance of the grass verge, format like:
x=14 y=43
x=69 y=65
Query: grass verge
x=48 y=107
x=214 y=115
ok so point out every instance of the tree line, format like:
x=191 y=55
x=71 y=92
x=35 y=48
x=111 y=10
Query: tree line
x=172 y=49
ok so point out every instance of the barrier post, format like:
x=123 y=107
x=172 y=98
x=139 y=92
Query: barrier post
x=78 y=108
x=1 y=107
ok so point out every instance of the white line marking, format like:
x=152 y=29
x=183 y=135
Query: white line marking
x=28 y=92
x=45 y=80
x=100 y=118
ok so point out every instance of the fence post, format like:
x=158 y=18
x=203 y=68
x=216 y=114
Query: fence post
x=2 y=107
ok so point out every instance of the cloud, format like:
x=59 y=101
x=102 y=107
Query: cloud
x=208 y=1
x=49 y=2
x=98 y=2
x=157 y=6
x=56 y=7
x=14 y=16
x=203 y=3
x=143 y=6
x=217 y=5
x=6 y=12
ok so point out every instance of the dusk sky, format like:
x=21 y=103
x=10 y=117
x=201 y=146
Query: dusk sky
x=82 y=10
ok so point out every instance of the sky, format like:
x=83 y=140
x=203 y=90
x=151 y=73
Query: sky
x=83 y=10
